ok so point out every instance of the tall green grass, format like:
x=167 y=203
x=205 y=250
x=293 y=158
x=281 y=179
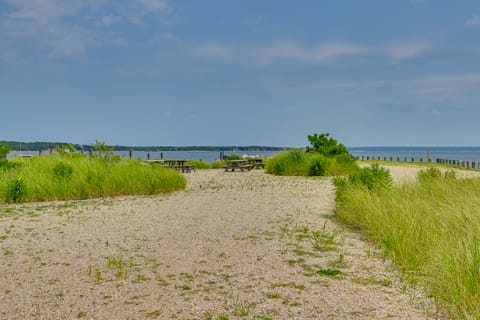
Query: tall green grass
x=430 y=228
x=298 y=163
x=77 y=177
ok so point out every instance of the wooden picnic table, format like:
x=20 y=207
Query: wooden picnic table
x=179 y=165
x=257 y=162
x=241 y=165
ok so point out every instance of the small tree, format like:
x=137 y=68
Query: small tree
x=102 y=151
x=4 y=150
x=326 y=145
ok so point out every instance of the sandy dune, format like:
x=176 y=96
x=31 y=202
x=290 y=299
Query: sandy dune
x=239 y=245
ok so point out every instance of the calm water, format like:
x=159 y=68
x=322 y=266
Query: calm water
x=207 y=156
x=449 y=153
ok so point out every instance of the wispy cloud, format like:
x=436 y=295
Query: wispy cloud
x=70 y=28
x=473 y=21
x=407 y=51
x=321 y=53
x=155 y=5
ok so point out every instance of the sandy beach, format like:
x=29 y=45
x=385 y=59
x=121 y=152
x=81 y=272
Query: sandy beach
x=241 y=245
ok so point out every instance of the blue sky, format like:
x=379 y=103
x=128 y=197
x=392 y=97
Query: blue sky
x=240 y=72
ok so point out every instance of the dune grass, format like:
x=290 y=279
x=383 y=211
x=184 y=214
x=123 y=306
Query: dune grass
x=430 y=228
x=78 y=177
x=298 y=163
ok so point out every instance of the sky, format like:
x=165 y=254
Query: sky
x=240 y=72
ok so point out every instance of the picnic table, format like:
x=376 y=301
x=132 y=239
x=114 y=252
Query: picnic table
x=179 y=165
x=241 y=165
x=257 y=162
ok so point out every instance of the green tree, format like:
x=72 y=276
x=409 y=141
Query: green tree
x=325 y=145
x=4 y=150
x=102 y=151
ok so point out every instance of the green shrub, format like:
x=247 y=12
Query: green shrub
x=7 y=165
x=17 y=190
x=318 y=165
x=429 y=174
x=289 y=163
x=63 y=171
x=373 y=178
x=233 y=157
x=343 y=164
x=325 y=145
x=4 y=151
x=198 y=164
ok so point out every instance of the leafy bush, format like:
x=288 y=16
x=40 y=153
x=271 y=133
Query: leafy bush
x=429 y=174
x=4 y=150
x=16 y=190
x=62 y=171
x=434 y=174
x=325 y=145
x=373 y=178
x=318 y=165
x=289 y=163
x=7 y=165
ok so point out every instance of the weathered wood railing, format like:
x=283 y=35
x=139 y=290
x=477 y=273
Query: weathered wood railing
x=456 y=163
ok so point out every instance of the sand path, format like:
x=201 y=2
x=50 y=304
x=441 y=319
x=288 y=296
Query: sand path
x=238 y=245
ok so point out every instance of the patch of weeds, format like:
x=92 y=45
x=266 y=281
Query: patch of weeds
x=160 y=281
x=274 y=295
x=81 y=315
x=242 y=308
x=121 y=266
x=7 y=252
x=154 y=314
x=222 y=318
x=94 y=273
x=268 y=235
x=295 y=262
x=186 y=287
x=187 y=276
x=53 y=281
x=329 y=272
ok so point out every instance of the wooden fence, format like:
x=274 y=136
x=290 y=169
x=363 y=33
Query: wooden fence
x=455 y=163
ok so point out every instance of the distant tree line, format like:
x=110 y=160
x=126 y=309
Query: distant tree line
x=36 y=146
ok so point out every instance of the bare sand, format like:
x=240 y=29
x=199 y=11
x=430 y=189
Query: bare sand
x=242 y=245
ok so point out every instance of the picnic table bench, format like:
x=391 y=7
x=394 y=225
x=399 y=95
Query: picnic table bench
x=241 y=165
x=179 y=165
x=256 y=162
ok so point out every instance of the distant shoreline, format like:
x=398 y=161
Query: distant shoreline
x=37 y=146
